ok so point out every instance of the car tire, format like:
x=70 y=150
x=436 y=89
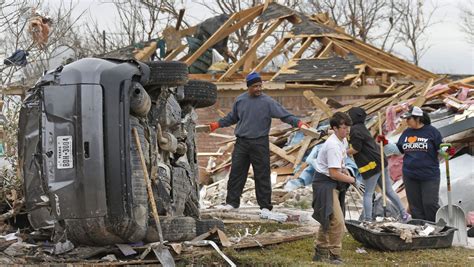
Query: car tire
x=170 y=73
x=174 y=229
x=200 y=94
x=205 y=225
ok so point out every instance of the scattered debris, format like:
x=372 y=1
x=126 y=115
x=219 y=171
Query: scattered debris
x=109 y=257
x=214 y=245
x=127 y=250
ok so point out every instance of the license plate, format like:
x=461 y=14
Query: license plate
x=64 y=152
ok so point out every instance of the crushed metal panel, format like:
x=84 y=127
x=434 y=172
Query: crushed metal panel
x=275 y=11
x=329 y=69
x=457 y=127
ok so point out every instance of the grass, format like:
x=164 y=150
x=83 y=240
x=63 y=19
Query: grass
x=300 y=253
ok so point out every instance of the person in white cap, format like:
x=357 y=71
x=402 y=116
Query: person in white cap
x=420 y=144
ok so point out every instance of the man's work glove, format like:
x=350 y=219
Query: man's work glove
x=213 y=126
x=381 y=138
x=451 y=151
x=302 y=124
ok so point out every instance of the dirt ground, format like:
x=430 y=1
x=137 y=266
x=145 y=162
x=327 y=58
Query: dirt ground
x=299 y=253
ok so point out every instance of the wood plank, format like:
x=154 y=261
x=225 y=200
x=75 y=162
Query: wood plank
x=421 y=99
x=209 y=154
x=282 y=153
x=276 y=51
x=307 y=140
x=276 y=238
x=300 y=171
x=384 y=102
x=310 y=132
x=317 y=102
x=145 y=53
x=248 y=64
x=222 y=135
x=303 y=48
x=225 y=30
x=325 y=52
x=202 y=128
x=175 y=52
x=251 y=49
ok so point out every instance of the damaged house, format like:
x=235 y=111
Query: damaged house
x=313 y=68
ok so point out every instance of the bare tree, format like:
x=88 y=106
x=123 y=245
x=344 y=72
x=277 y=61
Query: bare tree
x=137 y=21
x=413 y=27
x=467 y=20
x=14 y=29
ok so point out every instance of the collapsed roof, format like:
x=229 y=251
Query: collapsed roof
x=335 y=58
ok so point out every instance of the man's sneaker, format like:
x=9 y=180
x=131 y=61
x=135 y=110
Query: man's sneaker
x=265 y=213
x=321 y=254
x=225 y=207
x=406 y=217
x=335 y=259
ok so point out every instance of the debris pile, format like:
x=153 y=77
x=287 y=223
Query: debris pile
x=448 y=103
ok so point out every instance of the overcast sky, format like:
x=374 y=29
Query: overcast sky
x=449 y=51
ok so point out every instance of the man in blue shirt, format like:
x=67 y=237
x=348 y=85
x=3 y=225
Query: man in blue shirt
x=253 y=112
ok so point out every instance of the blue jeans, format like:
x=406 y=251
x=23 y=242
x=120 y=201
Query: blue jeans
x=369 y=192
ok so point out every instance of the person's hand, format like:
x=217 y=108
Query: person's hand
x=214 y=126
x=301 y=124
x=381 y=138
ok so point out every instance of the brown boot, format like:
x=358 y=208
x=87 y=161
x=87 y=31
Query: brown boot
x=321 y=254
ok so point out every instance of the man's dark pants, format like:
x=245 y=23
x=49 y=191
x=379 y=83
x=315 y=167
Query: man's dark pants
x=423 y=197
x=256 y=152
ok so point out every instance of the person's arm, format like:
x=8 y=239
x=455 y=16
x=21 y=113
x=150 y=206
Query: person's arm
x=400 y=144
x=338 y=175
x=335 y=161
x=279 y=112
x=352 y=151
x=231 y=118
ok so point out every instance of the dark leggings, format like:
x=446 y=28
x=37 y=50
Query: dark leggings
x=423 y=198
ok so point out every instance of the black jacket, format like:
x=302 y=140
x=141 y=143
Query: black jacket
x=322 y=198
x=368 y=158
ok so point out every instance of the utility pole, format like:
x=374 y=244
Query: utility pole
x=103 y=41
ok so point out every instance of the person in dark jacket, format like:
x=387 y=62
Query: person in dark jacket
x=330 y=182
x=366 y=154
x=420 y=144
x=253 y=112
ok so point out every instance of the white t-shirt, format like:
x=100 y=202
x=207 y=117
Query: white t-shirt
x=332 y=155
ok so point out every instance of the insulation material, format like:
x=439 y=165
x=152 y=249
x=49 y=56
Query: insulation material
x=395 y=165
x=463 y=94
x=390 y=117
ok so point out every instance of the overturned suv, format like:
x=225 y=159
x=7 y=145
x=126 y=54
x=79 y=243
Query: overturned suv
x=79 y=159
